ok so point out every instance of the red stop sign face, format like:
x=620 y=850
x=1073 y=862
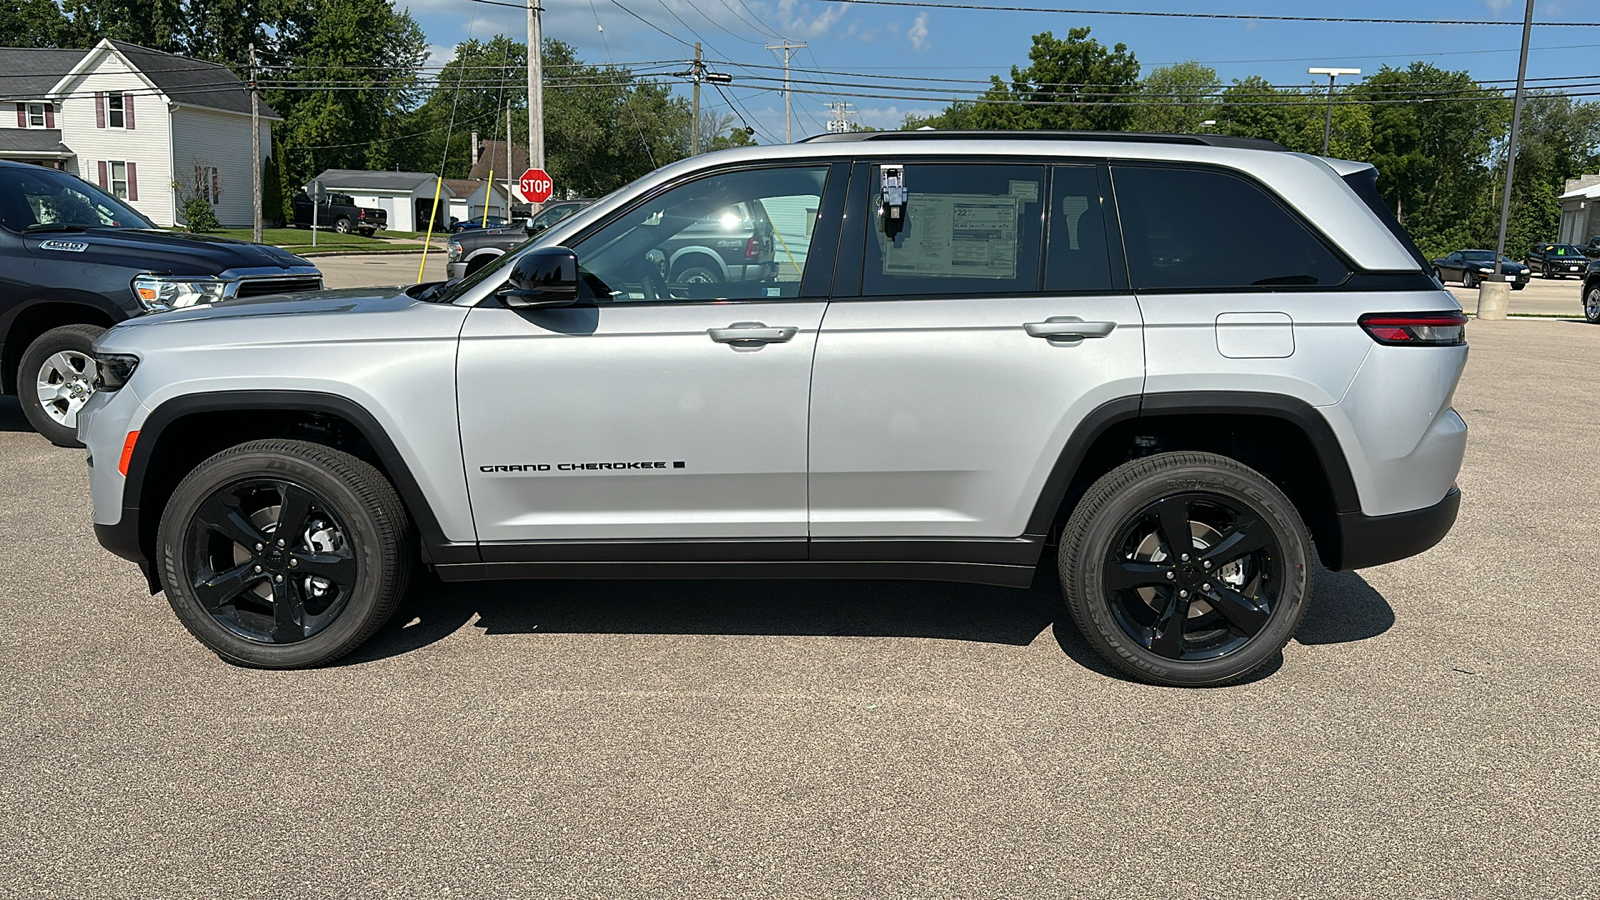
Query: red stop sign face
x=536 y=186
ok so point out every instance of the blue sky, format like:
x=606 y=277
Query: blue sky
x=973 y=44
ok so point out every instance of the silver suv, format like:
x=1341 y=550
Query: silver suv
x=1180 y=365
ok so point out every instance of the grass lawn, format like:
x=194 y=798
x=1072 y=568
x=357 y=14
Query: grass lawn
x=298 y=240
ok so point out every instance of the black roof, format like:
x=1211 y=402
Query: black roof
x=1131 y=137
x=191 y=82
x=28 y=74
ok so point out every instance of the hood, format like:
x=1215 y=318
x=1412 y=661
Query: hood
x=163 y=252
x=345 y=302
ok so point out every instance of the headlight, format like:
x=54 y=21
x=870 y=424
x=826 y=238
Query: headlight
x=1524 y=270
x=454 y=252
x=112 y=370
x=1486 y=271
x=157 y=292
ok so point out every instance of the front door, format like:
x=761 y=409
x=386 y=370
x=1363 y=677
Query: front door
x=982 y=333
x=658 y=409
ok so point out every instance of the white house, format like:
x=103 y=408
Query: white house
x=407 y=197
x=472 y=199
x=136 y=122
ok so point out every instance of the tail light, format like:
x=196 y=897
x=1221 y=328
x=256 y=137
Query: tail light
x=752 y=248
x=1426 y=329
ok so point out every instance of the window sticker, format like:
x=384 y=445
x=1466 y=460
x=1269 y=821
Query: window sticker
x=956 y=235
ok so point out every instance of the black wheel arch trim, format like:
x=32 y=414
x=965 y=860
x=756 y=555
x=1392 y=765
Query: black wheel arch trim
x=133 y=539
x=1304 y=416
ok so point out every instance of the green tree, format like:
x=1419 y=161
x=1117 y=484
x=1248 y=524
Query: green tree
x=1074 y=84
x=1559 y=139
x=1191 y=84
x=157 y=24
x=34 y=23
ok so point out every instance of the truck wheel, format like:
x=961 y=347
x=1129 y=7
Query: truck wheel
x=697 y=275
x=1186 y=569
x=284 y=554
x=56 y=379
x=479 y=263
x=342 y=226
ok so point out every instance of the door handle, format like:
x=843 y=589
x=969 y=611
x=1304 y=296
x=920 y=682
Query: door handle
x=1068 y=328
x=753 y=333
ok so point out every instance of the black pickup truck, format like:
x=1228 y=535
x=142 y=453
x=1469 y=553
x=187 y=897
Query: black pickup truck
x=340 y=213
x=75 y=260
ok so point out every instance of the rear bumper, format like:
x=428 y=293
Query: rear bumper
x=1367 y=541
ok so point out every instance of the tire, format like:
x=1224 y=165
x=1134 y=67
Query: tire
x=1466 y=279
x=479 y=263
x=367 y=232
x=342 y=226
x=347 y=524
x=1123 y=586
x=1591 y=303
x=1518 y=287
x=55 y=379
x=697 y=275
x=1438 y=275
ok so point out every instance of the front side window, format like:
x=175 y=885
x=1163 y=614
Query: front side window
x=36 y=115
x=1198 y=229
x=734 y=236
x=114 y=112
x=968 y=229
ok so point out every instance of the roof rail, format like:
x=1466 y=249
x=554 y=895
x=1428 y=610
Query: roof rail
x=1131 y=137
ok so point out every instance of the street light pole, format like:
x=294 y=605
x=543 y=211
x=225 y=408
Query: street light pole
x=1511 y=147
x=1327 y=125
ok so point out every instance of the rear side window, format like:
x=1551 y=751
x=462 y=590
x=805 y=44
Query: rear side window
x=1365 y=184
x=1076 y=259
x=1196 y=229
x=969 y=229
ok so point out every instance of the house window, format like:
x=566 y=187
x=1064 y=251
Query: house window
x=119 y=179
x=35 y=115
x=207 y=183
x=114 y=113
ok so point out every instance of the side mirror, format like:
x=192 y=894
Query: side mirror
x=546 y=276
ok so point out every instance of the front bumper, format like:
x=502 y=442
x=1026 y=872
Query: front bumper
x=1366 y=541
x=455 y=271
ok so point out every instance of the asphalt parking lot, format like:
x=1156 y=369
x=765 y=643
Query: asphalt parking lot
x=1542 y=297
x=346 y=270
x=1432 y=731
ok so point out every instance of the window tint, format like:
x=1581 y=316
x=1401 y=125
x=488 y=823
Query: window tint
x=969 y=229
x=736 y=236
x=31 y=197
x=1190 y=229
x=1076 y=259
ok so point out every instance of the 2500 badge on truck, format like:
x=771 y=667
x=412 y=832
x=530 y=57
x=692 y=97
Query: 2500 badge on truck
x=968 y=348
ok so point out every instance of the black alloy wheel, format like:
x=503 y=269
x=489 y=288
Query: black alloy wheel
x=283 y=554
x=1186 y=569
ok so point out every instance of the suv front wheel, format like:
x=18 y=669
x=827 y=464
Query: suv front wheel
x=283 y=554
x=1591 y=303
x=1186 y=569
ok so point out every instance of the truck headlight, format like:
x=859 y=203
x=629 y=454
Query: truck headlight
x=455 y=251
x=162 y=292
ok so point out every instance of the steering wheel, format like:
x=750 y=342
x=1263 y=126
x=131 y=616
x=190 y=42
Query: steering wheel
x=652 y=283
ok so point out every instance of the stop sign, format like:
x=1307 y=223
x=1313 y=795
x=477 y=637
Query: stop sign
x=535 y=185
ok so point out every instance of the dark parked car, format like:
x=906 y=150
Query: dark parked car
x=75 y=260
x=472 y=249
x=1557 y=260
x=1472 y=266
x=459 y=225
x=340 y=213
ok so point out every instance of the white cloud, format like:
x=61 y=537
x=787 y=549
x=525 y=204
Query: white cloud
x=1497 y=5
x=918 y=32
x=798 y=20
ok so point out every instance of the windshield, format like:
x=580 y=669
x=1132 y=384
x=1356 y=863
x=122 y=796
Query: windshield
x=1563 y=250
x=40 y=199
x=1477 y=255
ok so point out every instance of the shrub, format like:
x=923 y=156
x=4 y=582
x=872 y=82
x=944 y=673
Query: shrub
x=198 y=216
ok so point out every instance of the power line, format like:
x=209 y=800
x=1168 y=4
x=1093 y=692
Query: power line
x=1341 y=20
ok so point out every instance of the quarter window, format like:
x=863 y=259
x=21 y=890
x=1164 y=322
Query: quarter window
x=968 y=229
x=1193 y=229
x=734 y=236
x=114 y=112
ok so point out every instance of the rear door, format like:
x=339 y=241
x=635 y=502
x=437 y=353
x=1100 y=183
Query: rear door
x=958 y=356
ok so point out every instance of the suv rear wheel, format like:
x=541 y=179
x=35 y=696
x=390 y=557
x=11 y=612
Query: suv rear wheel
x=1186 y=569
x=284 y=554
x=56 y=379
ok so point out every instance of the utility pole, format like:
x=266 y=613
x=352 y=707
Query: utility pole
x=788 y=108
x=840 y=123
x=1495 y=294
x=1327 y=124
x=535 y=88
x=509 y=173
x=255 y=148
x=694 y=129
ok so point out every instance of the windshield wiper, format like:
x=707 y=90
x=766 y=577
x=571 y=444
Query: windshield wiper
x=54 y=226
